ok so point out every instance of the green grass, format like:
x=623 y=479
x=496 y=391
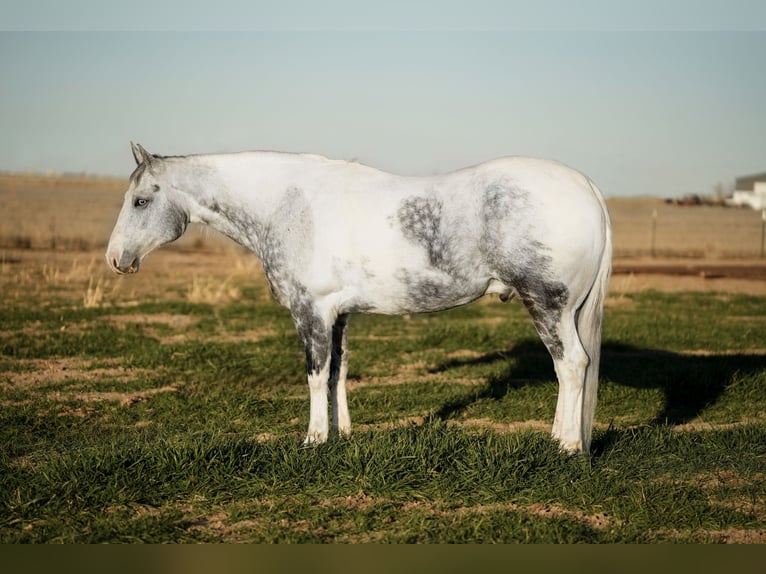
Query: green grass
x=154 y=432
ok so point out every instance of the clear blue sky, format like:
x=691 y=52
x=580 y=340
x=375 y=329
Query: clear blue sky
x=645 y=102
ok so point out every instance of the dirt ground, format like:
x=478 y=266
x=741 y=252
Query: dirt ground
x=745 y=276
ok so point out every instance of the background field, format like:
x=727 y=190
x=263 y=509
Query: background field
x=169 y=406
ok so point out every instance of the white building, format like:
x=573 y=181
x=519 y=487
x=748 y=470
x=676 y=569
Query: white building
x=750 y=192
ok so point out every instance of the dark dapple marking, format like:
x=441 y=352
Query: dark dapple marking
x=246 y=228
x=528 y=270
x=290 y=228
x=270 y=250
x=176 y=220
x=357 y=305
x=421 y=222
x=426 y=292
x=545 y=300
x=290 y=225
x=311 y=329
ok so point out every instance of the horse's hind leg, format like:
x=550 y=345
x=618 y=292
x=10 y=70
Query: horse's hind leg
x=341 y=421
x=557 y=328
x=570 y=365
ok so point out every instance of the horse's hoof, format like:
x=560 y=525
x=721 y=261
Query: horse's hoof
x=312 y=441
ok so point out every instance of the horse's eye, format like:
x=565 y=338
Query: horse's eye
x=140 y=202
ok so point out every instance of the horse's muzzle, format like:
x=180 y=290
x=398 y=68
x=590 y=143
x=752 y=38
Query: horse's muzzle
x=122 y=264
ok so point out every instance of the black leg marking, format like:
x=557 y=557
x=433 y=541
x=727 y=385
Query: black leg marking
x=311 y=329
x=338 y=348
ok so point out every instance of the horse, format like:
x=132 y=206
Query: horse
x=338 y=237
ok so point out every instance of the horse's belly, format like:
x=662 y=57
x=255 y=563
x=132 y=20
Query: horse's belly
x=410 y=291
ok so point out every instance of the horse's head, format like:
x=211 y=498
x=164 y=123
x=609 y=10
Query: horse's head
x=151 y=214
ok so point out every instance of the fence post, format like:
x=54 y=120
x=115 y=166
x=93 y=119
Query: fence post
x=654 y=232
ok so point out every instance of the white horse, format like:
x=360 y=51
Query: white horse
x=338 y=237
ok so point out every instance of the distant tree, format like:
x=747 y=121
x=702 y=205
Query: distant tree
x=721 y=190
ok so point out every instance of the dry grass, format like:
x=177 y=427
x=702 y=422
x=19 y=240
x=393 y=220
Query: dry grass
x=211 y=290
x=69 y=213
x=94 y=294
x=688 y=232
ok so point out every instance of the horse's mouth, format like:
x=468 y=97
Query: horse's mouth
x=124 y=268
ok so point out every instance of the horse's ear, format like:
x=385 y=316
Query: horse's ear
x=140 y=154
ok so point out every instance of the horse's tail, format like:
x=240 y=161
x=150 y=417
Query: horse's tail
x=589 y=320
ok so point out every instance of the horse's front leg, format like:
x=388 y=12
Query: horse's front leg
x=341 y=420
x=316 y=334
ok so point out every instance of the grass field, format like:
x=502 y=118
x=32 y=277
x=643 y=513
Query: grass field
x=156 y=415
x=170 y=405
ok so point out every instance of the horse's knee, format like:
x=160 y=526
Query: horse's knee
x=577 y=358
x=571 y=367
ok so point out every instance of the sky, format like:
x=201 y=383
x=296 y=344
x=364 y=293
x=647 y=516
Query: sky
x=642 y=97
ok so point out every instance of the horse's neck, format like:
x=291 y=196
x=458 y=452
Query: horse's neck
x=229 y=194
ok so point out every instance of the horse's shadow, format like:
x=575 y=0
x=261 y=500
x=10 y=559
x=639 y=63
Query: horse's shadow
x=688 y=382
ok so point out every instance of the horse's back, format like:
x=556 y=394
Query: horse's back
x=515 y=203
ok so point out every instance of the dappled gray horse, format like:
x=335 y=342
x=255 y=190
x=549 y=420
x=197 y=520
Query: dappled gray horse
x=338 y=237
